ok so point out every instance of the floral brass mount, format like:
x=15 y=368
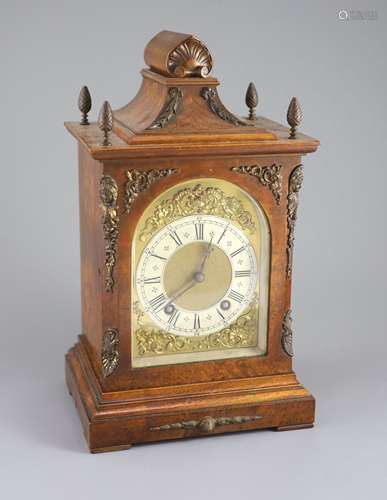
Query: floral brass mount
x=151 y=341
x=218 y=108
x=139 y=181
x=295 y=183
x=268 y=176
x=207 y=424
x=110 y=354
x=110 y=223
x=287 y=333
x=169 y=110
x=198 y=200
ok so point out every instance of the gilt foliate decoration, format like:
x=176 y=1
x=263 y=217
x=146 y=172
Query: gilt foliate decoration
x=241 y=333
x=217 y=107
x=269 y=176
x=295 y=183
x=207 y=424
x=169 y=110
x=139 y=181
x=110 y=225
x=287 y=333
x=110 y=354
x=198 y=200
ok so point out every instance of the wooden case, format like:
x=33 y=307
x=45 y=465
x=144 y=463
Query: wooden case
x=179 y=124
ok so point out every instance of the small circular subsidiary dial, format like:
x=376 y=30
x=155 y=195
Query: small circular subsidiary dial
x=196 y=275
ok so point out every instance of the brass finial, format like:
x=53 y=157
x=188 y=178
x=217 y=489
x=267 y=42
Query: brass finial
x=251 y=100
x=105 y=122
x=84 y=104
x=294 y=116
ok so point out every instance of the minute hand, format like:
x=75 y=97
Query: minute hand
x=207 y=253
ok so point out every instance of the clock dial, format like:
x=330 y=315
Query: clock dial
x=196 y=275
x=200 y=283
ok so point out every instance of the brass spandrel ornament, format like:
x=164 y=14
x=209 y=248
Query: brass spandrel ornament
x=269 y=176
x=139 y=181
x=196 y=200
x=187 y=222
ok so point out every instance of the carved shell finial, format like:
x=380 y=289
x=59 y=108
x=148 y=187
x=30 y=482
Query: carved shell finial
x=105 y=122
x=251 y=100
x=84 y=104
x=190 y=59
x=294 y=116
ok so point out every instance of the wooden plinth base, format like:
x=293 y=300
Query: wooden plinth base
x=115 y=421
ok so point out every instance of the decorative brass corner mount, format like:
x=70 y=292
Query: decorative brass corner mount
x=287 y=333
x=269 y=176
x=169 y=110
x=207 y=424
x=110 y=354
x=139 y=181
x=110 y=224
x=295 y=183
x=217 y=107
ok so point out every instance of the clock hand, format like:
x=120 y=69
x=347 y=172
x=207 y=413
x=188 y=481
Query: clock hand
x=207 y=253
x=183 y=290
x=198 y=277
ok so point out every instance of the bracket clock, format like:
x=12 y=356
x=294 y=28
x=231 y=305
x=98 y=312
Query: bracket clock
x=187 y=220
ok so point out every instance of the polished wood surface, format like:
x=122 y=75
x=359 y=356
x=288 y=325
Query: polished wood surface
x=149 y=404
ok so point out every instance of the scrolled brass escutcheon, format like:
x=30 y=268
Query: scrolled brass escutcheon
x=207 y=423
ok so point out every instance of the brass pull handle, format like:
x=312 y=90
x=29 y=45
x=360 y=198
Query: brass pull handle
x=207 y=424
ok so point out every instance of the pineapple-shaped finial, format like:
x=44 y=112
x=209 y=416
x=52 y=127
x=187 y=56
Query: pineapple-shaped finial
x=294 y=116
x=105 y=122
x=251 y=100
x=84 y=104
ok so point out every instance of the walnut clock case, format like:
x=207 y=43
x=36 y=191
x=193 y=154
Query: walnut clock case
x=187 y=227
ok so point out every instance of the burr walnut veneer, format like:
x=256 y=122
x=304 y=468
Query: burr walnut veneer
x=133 y=380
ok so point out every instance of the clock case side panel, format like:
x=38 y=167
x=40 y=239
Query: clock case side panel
x=276 y=361
x=92 y=256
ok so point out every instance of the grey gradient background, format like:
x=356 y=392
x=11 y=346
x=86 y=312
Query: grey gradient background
x=338 y=70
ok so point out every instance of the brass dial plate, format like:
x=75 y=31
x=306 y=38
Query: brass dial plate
x=200 y=275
